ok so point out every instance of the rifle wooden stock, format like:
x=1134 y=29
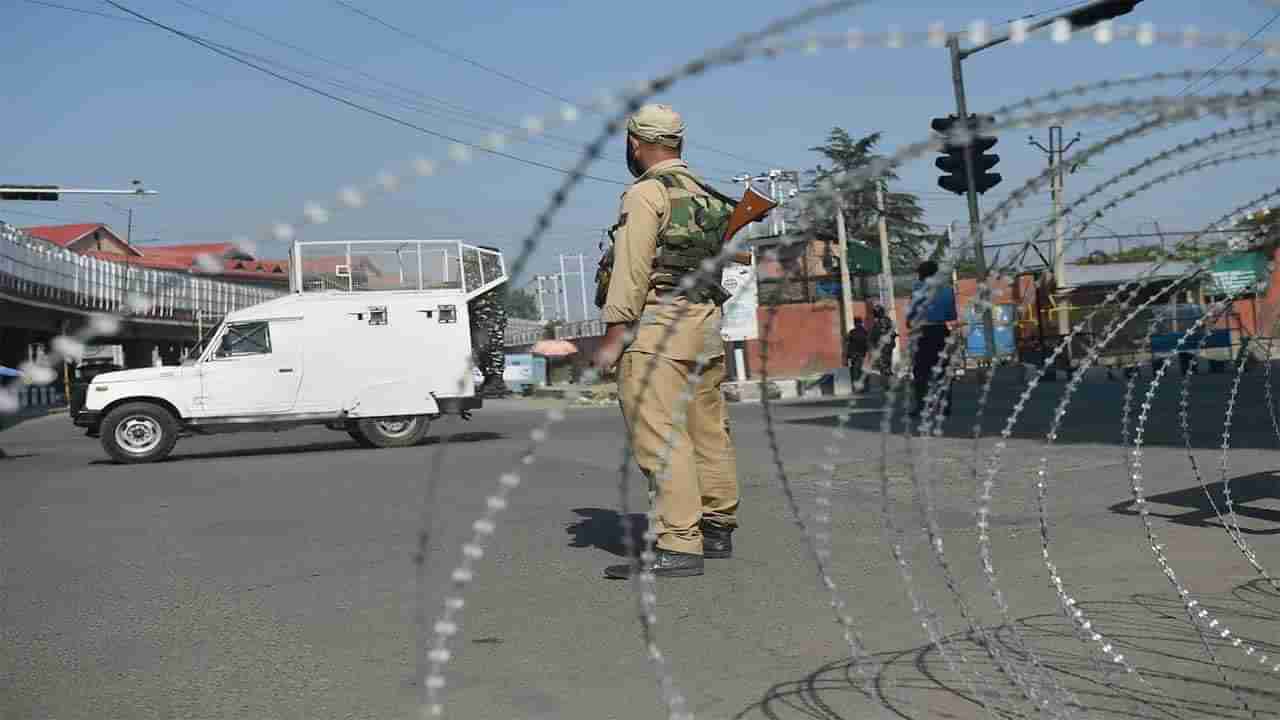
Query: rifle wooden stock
x=751 y=208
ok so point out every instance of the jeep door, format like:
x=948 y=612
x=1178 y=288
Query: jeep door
x=255 y=368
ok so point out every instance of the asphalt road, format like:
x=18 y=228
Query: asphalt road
x=272 y=575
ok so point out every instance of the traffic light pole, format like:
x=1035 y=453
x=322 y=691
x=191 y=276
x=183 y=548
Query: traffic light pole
x=1081 y=17
x=979 y=257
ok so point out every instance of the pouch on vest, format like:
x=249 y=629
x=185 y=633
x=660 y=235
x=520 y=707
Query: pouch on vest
x=695 y=233
x=604 y=271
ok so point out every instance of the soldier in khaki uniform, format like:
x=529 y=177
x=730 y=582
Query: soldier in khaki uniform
x=668 y=225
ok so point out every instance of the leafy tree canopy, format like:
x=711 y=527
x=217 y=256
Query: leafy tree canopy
x=910 y=240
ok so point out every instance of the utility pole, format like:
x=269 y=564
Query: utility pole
x=846 y=292
x=582 y=270
x=542 y=309
x=1056 y=150
x=886 y=267
x=556 y=282
x=128 y=233
x=564 y=288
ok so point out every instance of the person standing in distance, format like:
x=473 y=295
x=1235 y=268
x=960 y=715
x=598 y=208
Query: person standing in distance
x=856 y=345
x=927 y=318
x=669 y=223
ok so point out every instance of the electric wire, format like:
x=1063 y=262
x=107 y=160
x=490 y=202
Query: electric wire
x=422 y=103
x=447 y=106
x=354 y=105
x=85 y=11
x=511 y=78
x=1230 y=55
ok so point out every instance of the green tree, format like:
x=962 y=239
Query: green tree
x=909 y=239
x=520 y=303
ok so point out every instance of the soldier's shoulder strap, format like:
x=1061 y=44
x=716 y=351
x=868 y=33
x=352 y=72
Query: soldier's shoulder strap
x=668 y=179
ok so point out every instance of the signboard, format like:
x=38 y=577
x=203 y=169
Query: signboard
x=864 y=259
x=1232 y=274
x=739 y=313
x=826 y=289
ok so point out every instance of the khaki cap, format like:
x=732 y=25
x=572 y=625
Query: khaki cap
x=657 y=124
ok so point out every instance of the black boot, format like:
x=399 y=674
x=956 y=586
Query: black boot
x=667 y=563
x=717 y=541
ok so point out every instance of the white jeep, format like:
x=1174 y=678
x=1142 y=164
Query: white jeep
x=377 y=364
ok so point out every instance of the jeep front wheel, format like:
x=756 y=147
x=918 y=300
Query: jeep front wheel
x=394 y=432
x=139 y=433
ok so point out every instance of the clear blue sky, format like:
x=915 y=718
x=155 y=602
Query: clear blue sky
x=92 y=101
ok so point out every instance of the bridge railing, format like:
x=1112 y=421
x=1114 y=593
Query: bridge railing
x=564 y=331
x=34 y=269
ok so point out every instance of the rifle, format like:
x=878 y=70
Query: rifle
x=753 y=207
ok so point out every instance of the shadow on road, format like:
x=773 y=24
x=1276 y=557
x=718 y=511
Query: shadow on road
x=1200 y=512
x=314 y=447
x=1093 y=416
x=602 y=529
x=1177 y=680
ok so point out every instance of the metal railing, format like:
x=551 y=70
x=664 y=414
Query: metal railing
x=563 y=331
x=37 y=270
x=394 y=265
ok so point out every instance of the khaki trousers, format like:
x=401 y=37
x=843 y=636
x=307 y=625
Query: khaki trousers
x=697 y=477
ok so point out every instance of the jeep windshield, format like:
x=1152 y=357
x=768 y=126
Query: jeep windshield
x=194 y=355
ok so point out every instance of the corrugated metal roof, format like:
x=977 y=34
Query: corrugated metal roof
x=1118 y=273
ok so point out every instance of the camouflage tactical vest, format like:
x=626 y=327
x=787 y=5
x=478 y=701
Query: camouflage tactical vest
x=695 y=233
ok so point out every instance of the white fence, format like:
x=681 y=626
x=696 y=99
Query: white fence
x=564 y=331
x=34 y=269
x=394 y=265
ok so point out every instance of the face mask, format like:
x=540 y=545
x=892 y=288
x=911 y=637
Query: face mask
x=632 y=164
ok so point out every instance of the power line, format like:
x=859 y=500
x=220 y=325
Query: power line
x=354 y=105
x=1231 y=54
x=1248 y=60
x=523 y=83
x=424 y=103
x=86 y=11
x=447 y=106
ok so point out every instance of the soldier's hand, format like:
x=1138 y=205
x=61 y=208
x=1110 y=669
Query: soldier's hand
x=606 y=357
x=611 y=347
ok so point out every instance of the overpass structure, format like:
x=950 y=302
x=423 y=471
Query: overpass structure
x=47 y=290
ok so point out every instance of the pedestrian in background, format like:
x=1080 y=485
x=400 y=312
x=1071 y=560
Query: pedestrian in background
x=855 y=349
x=927 y=320
x=882 y=336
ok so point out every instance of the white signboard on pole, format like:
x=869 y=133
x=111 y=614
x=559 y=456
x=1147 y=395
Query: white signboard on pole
x=739 y=313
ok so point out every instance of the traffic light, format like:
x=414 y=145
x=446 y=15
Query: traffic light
x=952 y=160
x=1097 y=12
x=29 y=192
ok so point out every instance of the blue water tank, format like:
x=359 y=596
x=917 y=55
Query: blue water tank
x=1003 y=317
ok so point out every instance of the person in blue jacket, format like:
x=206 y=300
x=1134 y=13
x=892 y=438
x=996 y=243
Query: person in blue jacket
x=927 y=319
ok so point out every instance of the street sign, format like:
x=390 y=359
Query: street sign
x=1238 y=273
x=863 y=259
x=738 y=321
